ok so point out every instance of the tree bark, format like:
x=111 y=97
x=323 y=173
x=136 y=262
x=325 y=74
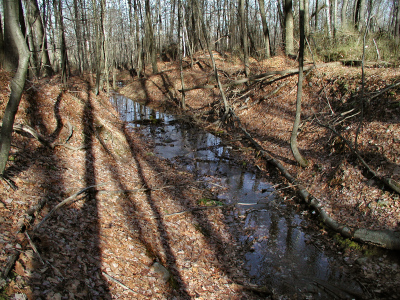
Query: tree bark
x=267 y=42
x=150 y=37
x=17 y=83
x=180 y=43
x=39 y=38
x=61 y=39
x=243 y=37
x=343 y=15
x=289 y=45
x=1 y=44
x=293 y=139
x=10 y=62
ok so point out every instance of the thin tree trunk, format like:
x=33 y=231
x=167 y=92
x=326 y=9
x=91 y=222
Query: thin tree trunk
x=244 y=38
x=17 y=83
x=293 y=139
x=180 y=43
x=343 y=14
x=150 y=37
x=61 y=38
x=267 y=43
x=205 y=33
x=306 y=18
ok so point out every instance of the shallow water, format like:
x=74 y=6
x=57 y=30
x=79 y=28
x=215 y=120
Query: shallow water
x=278 y=255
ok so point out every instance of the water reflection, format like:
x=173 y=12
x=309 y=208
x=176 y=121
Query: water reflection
x=278 y=255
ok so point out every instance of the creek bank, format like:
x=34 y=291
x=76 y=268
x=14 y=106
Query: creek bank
x=276 y=251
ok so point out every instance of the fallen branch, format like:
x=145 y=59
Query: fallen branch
x=390 y=183
x=22 y=224
x=34 y=247
x=384 y=90
x=65 y=202
x=383 y=238
x=119 y=283
x=258 y=77
x=31 y=131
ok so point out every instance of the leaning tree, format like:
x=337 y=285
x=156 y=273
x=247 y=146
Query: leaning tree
x=11 y=20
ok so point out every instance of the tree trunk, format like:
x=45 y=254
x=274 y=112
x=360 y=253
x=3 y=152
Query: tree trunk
x=180 y=43
x=150 y=37
x=10 y=62
x=17 y=83
x=359 y=14
x=289 y=45
x=293 y=139
x=267 y=42
x=328 y=18
x=334 y=17
x=1 y=45
x=61 y=38
x=78 y=33
x=343 y=14
x=306 y=18
x=244 y=38
x=43 y=66
x=99 y=44
x=205 y=33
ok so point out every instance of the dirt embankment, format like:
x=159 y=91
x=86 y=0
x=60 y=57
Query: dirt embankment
x=332 y=97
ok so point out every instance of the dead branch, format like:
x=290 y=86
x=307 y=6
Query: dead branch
x=392 y=184
x=64 y=202
x=119 y=283
x=258 y=77
x=31 y=131
x=34 y=247
x=22 y=224
x=384 y=90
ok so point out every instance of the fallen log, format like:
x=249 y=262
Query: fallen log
x=383 y=238
x=258 y=77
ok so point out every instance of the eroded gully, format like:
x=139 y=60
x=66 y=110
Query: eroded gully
x=278 y=254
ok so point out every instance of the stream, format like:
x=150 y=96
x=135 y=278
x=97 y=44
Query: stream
x=278 y=255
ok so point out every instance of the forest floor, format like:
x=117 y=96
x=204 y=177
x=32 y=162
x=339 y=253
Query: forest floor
x=119 y=240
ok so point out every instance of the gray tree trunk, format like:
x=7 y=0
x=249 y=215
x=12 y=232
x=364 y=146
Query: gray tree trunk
x=243 y=36
x=267 y=42
x=17 y=83
x=293 y=139
x=39 y=39
x=289 y=44
x=343 y=14
x=150 y=37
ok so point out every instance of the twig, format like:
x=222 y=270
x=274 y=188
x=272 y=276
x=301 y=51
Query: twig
x=9 y=182
x=34 y=247
x=64 y=202
x=384 y=90
x=119 y=283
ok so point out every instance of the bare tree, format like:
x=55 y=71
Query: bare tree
x=40 y=55
x=267 y=42
x=18 y=82
x=293 y=139
x=150 y=37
